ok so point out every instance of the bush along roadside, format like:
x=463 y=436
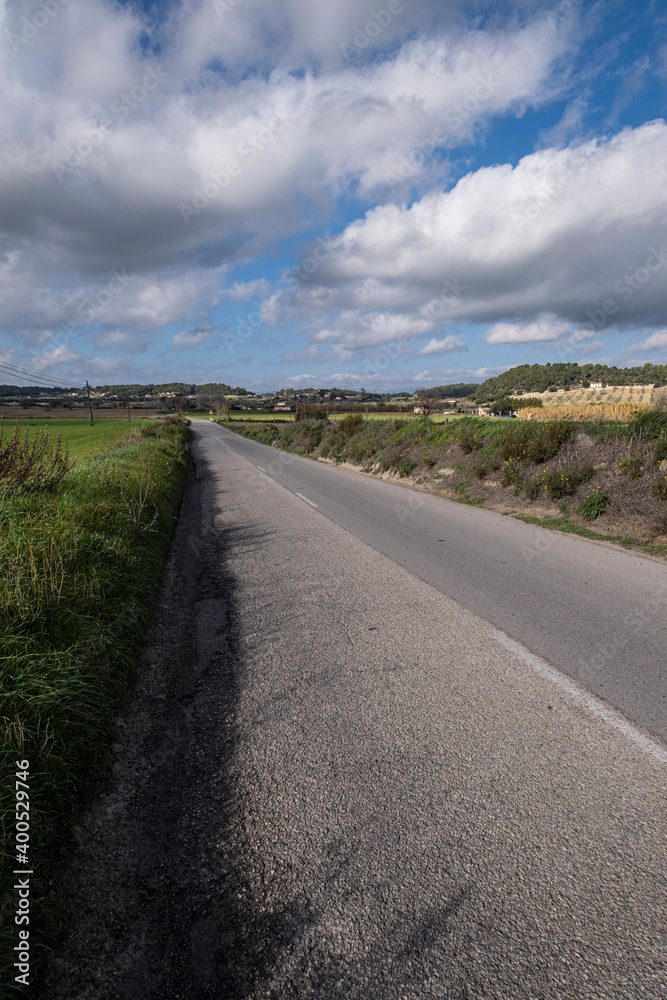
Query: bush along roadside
x=610 y=472
x=80 y=564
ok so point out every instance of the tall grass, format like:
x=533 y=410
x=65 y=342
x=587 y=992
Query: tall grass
x=78 y=571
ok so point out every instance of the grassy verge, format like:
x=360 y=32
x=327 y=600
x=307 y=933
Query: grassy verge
x=610 y=472
x=565 y=525
x=80 y=569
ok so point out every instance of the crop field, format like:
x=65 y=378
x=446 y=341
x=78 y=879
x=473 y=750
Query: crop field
x=635 y=395
x=81 y=439
x=595 y=412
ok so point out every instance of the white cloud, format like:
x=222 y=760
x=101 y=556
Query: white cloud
x=53 y=359
x=244 y=291
x=295 y=138
x=185 y=340
x=447 y=345
x=657 y=341
x=577 y=234
x=281 y=91
x=353 y=331
x=545 y=327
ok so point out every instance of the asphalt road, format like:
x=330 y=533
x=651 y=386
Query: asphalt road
x=597 y=613
x=334 y=781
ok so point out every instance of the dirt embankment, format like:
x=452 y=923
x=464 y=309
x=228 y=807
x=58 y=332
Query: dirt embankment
x=608 y=478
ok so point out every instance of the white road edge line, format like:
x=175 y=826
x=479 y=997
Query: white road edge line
x=261 y=469
x=582 y=696
x=308 y=501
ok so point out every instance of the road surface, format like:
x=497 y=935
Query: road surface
x=334 y=780
x=595 y=612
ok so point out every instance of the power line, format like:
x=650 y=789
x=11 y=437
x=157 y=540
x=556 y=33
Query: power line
x=28 y=373
x=37 y=378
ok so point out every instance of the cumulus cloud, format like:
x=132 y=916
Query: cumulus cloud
x=355 y=331
x=448 y=345
x=53 y=359
x=136 y=173
x=190 y=339
x=656 y=342
x=545 y=327
x=102 y=146
x=576 y=234
x=244 y=291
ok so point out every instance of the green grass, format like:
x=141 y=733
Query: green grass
x=82 y=439
x=249 y=415
x=565 y=525
x=79 y=571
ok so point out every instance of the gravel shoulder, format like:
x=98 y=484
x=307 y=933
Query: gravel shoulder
x=332 y=780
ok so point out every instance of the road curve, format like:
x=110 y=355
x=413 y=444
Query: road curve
x=595 y=612
x=334 y=781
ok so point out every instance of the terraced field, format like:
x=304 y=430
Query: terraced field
x=640 y=395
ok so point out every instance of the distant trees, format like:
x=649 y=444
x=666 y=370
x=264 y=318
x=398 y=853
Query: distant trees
x=503 y=406
x=457 y=390
x=426 y=399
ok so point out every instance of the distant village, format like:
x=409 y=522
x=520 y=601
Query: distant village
x=213 y=397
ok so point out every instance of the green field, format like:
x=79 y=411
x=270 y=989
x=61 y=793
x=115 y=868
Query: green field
x=248 y=415
x=81 y=439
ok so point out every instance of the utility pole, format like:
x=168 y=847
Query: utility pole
x=90 y=405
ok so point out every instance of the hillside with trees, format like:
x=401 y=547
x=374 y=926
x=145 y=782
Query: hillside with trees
x=542 y=378
x=457 y=390
x=185 y=388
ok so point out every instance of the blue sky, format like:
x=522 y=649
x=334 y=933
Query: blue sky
x=379 y=194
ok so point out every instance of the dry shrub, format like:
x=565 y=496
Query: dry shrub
x=35 y=465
